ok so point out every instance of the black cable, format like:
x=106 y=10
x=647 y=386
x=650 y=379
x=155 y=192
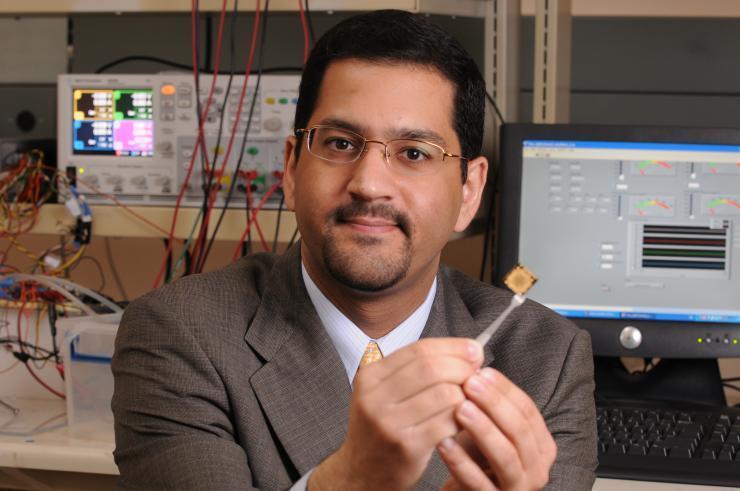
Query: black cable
x=152 y=59
x=25 y=357
x=731 y=379
x=277 y=222
x=168 y=265
x=186 y=67
x=293 y=238
x=188 y=260
x=247 y=245
x=98 y=266
x=731 y=386
x=255 y=94
x=490 y=213
x=15 y=340
x=495 y=107
x=205 y=205
x=52 y=313
x=309 y=21
x=199 y=116
x=208 y=43
x=114 y=269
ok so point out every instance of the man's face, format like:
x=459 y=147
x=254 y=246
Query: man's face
x=363 y=224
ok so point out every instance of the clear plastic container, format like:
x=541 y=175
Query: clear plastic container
x=88 y=350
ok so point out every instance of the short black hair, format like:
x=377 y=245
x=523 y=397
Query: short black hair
x=393 y=36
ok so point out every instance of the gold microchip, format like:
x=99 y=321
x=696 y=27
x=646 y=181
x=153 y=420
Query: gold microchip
x=520 y=279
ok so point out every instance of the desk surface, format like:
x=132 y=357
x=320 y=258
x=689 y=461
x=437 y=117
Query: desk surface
x=88 y=448
x=85 y=447
x=620 y=485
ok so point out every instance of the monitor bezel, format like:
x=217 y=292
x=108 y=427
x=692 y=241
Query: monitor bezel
x=683 y=339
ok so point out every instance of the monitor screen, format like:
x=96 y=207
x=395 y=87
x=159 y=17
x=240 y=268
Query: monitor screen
x=628 y=227
x=115 y=122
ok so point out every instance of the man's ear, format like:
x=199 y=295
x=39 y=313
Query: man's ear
x=289 y=164
x=472 y=192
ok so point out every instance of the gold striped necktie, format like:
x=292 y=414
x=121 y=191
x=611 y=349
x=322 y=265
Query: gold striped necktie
x=372 y=354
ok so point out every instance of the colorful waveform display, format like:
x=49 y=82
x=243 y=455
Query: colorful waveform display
x=648 y=167
x=717 y=168
x=687 y=248
x=651 y=206
x=720 y=205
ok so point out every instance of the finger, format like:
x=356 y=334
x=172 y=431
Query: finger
x=422 y=374
x=499 y=451
x=462 y=348
x=527 y=407
x=431 y=431
x=464 y=439
x=428 y=403
x=462 y=468
x=507 y=418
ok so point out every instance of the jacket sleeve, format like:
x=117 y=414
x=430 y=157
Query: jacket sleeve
x=172 y=424
x=570 y=415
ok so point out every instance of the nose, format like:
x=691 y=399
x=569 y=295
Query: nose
x=371 y=178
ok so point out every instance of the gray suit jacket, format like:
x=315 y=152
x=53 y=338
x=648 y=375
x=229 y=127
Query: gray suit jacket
x=228 y=380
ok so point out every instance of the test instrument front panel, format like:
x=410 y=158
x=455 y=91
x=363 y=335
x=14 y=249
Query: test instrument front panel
x=133 y=136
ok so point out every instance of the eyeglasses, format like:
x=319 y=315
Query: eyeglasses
x=407 y=156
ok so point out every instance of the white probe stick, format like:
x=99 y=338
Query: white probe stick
x=486 y=335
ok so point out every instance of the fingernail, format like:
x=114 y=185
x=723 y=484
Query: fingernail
x=475 y=351
x=468 y=410
x=447 y=444
x=475 y=384
x=488 y=373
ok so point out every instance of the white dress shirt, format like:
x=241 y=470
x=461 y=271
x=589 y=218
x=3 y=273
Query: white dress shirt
x=350 y=342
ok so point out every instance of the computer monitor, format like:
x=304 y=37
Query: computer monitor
x=634 y=233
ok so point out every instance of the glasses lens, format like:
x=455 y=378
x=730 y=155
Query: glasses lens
x=335 y=145
x=415 y=157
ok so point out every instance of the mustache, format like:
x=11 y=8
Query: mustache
x=357 y=209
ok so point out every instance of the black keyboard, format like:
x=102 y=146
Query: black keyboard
x=650 y=443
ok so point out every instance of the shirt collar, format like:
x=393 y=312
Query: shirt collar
x=350 y=341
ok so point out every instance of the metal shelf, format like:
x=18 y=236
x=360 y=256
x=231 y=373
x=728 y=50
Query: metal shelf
x=114 y=221
x=464 y=8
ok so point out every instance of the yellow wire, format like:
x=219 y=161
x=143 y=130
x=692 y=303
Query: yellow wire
x=25 y=250
x=75 y=258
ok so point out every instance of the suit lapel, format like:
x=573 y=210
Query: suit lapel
x=303 y=387
x=449 y=317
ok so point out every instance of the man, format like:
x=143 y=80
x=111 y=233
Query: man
x=247 y=378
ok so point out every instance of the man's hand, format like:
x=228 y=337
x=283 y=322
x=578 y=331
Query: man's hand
x=402 y=407
x=504 y=445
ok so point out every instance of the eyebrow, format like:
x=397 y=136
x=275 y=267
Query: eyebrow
x=421 y=134
x=400 y=133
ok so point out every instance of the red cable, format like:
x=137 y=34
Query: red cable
x=56 y=393
x=304 y=25
x=200 y=138
x=209 y=169
x=126 y=208
x=254 y=220
x=200 y=262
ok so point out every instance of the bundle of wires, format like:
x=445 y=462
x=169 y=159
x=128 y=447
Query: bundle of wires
x=49 y=295
x=26 y=183
x=197 y=246
x=24 y=187
x=250 y=176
